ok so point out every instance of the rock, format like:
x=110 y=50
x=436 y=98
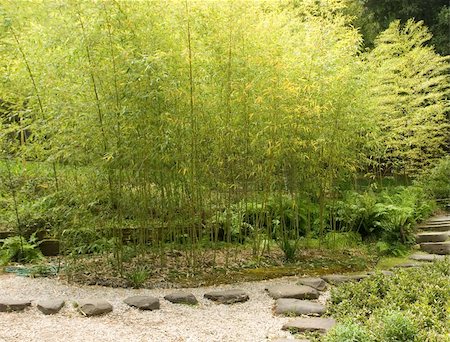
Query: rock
x=8 y=305
x=290 y=306
x=384 y=272
x=431 y=237
x=227 y=296
x=293 y=291
x=310 y=324
x=50 y=306
x=143 y=302
x=426 y=257
x=94 y=307
x=181 y=298
x=336 y=279
x=407 y=265
x=436 y=227
x=49 y=247
x=442 y=248
x=317 y=283
x=289 y=340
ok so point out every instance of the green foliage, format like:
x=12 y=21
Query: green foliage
x=378 y=14
x=390 y=215
x=411 y=305
x=409 y=94
x=396 y=327
x=137 y=278
x=17 y=249
x=194 y=129
x=350 y=332
x=436 y=181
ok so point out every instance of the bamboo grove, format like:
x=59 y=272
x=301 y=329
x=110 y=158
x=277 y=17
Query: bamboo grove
x=183 y=118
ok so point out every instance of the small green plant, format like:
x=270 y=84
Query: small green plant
x=138 y=277
x=349 y=332
x=396 y=326
x=17 y=249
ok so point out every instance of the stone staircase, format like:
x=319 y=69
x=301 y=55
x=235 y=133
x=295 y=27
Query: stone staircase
x=434 y=235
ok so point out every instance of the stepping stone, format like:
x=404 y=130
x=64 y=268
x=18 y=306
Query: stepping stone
x=310 y=324
x=426 y=257
x=292 y=291
x=94 y=307
x=143 y=302
x=297 y=307
x=317 y=283
x=384 y=272
x=438 y=227
x=227 y=296
x=442 y=248
x=8 y=305
x=431 y=237
x=289 y=340
x=336 y=279
x=50 y=306
x=443 y=218
x=407 y=265
x=181 y=298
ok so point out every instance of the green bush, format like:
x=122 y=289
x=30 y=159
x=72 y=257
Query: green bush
x=349 y=332
x=390 y=215
x=413 y=303
x=396 y=326
x=17 y=249
x=436 y=181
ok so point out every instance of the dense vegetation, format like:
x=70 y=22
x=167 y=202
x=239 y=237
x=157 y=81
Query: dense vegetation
x=411 y=305
x=132 y=130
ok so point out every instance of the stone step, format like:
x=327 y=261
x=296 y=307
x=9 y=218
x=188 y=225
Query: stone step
x=311 y=324
x=426 y=257
x=439 y=218
x=435 y=228
x=297 y=307
x=441 y=248
x=432 y=237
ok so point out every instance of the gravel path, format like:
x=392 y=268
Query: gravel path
x=251 y=321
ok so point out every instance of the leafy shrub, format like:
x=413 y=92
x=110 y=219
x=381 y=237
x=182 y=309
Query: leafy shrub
x=349 y=332
x=412 y=302
x=390 y=215
x=436 y=181
x=396 y=326
x=17 y=249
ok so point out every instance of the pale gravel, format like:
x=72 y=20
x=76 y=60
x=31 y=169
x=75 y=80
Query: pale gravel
x=252 y=321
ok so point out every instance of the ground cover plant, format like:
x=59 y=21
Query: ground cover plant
x=411 y=305
x=139 y=134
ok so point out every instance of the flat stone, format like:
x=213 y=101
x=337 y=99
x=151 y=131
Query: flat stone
x=310 y=324
x=94 y=307
x=426 y=257
x=441 y=248
x=292 y=291
x=407 y=265
x=291 y=306
x=143 y=302
x=50 y=306
x=436 y=227
x=8 y=305
x=317 y=283
x=384 y=272
x=431 y=237
x=443 y=218
x=227 y=296
x=289 y=340
x=336 y=279
x=181 y=298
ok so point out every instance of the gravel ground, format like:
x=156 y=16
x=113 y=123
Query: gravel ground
x=251 y=321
